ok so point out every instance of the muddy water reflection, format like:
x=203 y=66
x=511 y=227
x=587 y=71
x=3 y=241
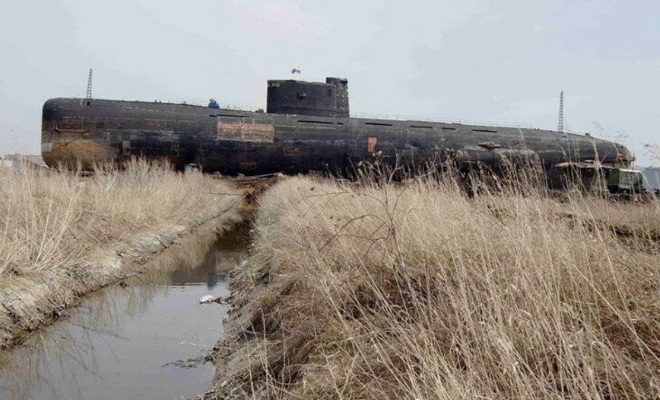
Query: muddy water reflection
x=128 y=342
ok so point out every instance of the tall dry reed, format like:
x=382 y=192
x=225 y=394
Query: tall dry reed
x=416 y=291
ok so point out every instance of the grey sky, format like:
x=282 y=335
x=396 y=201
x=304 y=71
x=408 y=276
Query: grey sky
x=471 y=60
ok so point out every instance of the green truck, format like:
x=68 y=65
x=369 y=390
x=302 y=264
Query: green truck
x=629 y=184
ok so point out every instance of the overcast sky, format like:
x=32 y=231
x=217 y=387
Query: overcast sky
x=469 y=60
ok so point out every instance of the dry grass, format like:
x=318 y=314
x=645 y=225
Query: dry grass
x=415 y=291
x=63 y=234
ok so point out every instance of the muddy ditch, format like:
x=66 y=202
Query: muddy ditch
x=147 y=337
x=26 y=305
x=137 y=330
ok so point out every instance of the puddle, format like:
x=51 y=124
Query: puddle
x=146 y=340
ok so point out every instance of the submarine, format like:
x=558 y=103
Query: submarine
x=306 y=127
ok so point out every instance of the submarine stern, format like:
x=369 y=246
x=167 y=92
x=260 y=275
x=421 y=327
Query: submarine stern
x=68 y=141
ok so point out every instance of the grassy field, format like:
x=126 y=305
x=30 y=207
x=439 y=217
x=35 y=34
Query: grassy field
x=416 y=291
x=63 y=234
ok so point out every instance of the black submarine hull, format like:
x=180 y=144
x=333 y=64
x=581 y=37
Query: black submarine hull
x=87 y=131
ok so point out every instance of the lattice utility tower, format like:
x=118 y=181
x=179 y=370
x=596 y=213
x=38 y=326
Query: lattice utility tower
x=89 y=85
x=560 y=126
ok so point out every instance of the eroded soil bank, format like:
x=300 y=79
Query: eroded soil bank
x=146 y=338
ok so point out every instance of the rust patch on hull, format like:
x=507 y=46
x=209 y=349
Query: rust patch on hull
x=248 y=165
x=81 y=152
x=371 y=144
x=245 y=132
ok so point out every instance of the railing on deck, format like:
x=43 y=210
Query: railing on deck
x=242 y=107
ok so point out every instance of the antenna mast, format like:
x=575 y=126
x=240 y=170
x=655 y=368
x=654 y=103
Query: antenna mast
x=89 y=85
x=560 y=126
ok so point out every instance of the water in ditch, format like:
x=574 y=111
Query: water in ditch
x=143 y=340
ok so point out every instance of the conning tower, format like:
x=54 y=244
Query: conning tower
x=329 y=99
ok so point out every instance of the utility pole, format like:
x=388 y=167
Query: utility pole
x=89 y=85
x=560 y=126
